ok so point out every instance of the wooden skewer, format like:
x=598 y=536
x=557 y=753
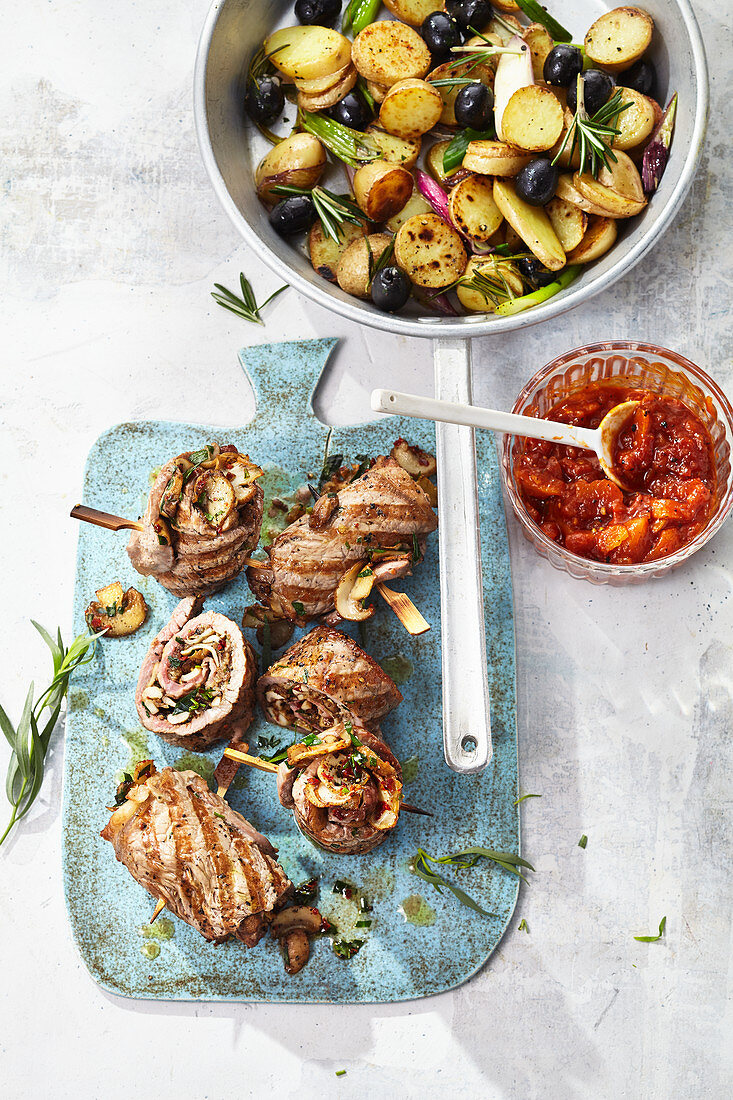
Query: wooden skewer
x=404 y=609
x=104 y=519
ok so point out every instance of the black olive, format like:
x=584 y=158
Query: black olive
x=563 y=65
x=474 y=106
x=597 y=88
x=536 y=183
x=293 y=215
x=536 y=273
x=264 y=100
x=390 y=289
x=351 y=111
x=470 y=13
x=440 y=34
x=641 y=77
x=320 y=12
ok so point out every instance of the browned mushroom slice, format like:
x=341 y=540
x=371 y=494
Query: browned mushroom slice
x=415 y=460
x=324 y=743
x=214 y=497
x=323 y=510
x=115 y=611
x=352 y=590
x=293 y=926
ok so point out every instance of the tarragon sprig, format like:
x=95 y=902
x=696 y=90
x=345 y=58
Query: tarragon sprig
x=593 y=136
x=246 y=306
x=332 y=210
x=28 y=740
x=420 y=865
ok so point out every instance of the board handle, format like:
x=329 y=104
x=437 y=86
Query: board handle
x=466 y=704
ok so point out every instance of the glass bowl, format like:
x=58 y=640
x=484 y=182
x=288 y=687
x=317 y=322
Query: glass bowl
x=652 y=368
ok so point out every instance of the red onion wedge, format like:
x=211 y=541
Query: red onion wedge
x=434 y=193
x=656 y=153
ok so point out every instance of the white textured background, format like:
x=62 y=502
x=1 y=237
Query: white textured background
x=111 y=240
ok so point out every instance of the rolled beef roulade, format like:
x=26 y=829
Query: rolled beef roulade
x=196 y=685
x=380 y=521
x=344 y=787
x=187 y=847
x=202 y=521
x=323 y=679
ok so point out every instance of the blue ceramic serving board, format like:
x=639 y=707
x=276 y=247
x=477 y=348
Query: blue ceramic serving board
x=419 y=942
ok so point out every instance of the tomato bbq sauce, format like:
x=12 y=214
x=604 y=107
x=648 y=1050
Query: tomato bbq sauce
x=665 y=454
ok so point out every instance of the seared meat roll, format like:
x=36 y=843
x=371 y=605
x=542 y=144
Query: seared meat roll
x=344 y=787
x=188 y=848
x=322 y=679
x=380 y=520
x=196 y=685
x=202 y=521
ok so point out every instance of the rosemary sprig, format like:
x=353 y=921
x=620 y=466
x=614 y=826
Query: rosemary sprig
x=246 y=306
x=593 y=136
x=469 y=857
x=350 y=146
x=332 y=210
x=28 y=742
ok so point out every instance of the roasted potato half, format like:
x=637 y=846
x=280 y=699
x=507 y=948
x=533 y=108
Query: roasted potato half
x=410 y=109
x=619 y=38
x=387 y=51
x=566 y=190
x=540 y=44
x=532 y=119
x=377 y=91
x=473 y=210
x=568 y=221
x=531 y=223
x=618 y=190
x=413 y=12
x=298 y=161
x=118 y=612
x=323 y=83
x=321 y=100
x=352 y=272
x=637 y=123
x=325 y=253
x=502 y=273
x=429 y=251
x=600 y=236
x=495 y=158
x=382 y=189
x=416 y=204
x=395 y=150
x=306 y=53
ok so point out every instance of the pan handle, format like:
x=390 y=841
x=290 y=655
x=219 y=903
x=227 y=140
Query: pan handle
x=466 y=704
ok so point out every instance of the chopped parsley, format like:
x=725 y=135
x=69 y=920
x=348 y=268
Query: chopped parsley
x=298 y=608
x=583 y=841
x=346 y=949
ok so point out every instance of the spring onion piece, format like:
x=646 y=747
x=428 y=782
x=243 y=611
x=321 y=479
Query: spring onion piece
x=653 y=939
x=350 y=146
x=656 y=153
x=434 y=193
x=523 y=926
x=455 y=151
x=582 y=843
x=537 y=14
x=508 y=309
x=359 y=14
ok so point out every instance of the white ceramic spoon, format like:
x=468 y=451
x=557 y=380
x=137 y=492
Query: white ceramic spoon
x=602 y=439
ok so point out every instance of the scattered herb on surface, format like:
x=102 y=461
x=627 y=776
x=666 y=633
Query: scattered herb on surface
x=653 y=939
x=469 y=857
x=523 y=796
x=346 y=949
x=420 y=866
x=583 y=841
x=306 y=893
x=28 y=742
x=340 y=1072
x=523 y=926
x=298 y=608
x=246 y=306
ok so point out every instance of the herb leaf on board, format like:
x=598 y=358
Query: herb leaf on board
x=653 y=939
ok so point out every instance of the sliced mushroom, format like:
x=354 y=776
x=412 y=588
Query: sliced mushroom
x=172 y=494
x=292 y=927
x=281 y=631
x=117 y=612
x=322 y=746
x=163 y=532
x=415 y=460
x=242 y=475
x=430 y=489
x=297 y=951
x=323 y=509
x=214 y=497
x=353 y=589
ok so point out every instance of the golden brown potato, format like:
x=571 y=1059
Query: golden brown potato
x=353 y=269
x=323 y=83
x=325 y=253
x=382 y=189
x=495 y=158
x=117 y=612
x=568 y=221
x=540 y=43
x=322 y=100
x=298 y=162
x=377 y=91
x=506 y=7
x=599 y=237
x=306 y=53
x=429 y=251
x=503 y=273
x=532 y=119
x=531 y=223
x=567 y=191
x=637 y=122
x=619 y=38
x=618 y=189
x=395 y=150
x=387 y=51
x=410 y=109
x=416 y=204
x=413 y=12
x=473 y=210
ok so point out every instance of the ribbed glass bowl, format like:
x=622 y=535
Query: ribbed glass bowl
x=648 y=367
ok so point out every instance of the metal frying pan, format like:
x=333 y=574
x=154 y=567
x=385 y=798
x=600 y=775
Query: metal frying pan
x=231 y=148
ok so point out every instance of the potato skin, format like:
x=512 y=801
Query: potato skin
x=395 y=150
x=387 y=51
x=331 y=96
x=298 y=161
x=599 y=238
x=352 y=272
x=568 y=221
x=416 y=204
x=429 y=251
x=410 y=109
x=567 y=191
x=413 y=12
x=618 y=38
x=531 y=223
x=325 y=253
x=382 y=189
x=495 y=158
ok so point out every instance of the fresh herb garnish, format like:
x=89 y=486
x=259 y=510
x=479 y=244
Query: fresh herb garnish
x=332 y=210
x=653 y=939
x=537 y=14
x=375 y=266
x=217 y=814
x=28 y=742
x=306 y=893
x=358 y=14
x=340 y=1072
x=523 y=926
x=298 y=608
x=583 y=841
x=593 y=136
x=455 y=150
x=469 y=857
x=193 y=701
x=415 y=548
x=363 y=924
x=311 y=739
x=420 y=866
x=346 y=949
x=246 y=306
x=522 y=798
x=350 y=146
